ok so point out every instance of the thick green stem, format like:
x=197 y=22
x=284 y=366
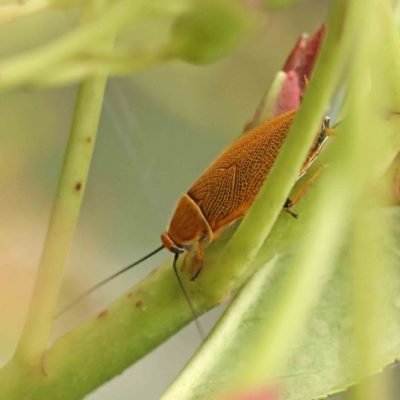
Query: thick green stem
x=388 y=55
x=128 y=329
x=369 y=263
x=111 y=64
x=63 y=219
x=258 y=222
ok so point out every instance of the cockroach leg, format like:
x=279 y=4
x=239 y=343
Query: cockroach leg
x=200 y=260
x=319 y=142
x=331 y=132
x=306 y=81
x=183 y=266
x=197 y=273
x=287 y=206
x=290 y=203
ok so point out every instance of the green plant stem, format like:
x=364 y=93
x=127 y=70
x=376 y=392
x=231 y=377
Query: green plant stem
x=19 y=69
x=115 y=64
x=364 y=292
x=258 y=222
x=368 y=263
x=389 y=58
x=129 y=328
x=63 y=219
x=368 y=269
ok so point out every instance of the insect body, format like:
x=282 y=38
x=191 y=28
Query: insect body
x=226 y=190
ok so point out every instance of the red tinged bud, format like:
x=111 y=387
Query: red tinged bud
x=303 y=56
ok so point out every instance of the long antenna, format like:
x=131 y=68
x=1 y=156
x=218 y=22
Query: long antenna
x=110 y=278
x=194 y=313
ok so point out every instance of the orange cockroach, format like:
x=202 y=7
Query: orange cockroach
x=226 y=190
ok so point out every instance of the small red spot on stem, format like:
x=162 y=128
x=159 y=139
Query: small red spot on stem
x=139 y=303
x=89 y=139
x=78 y=186
x=103 y=313
x=129 y=294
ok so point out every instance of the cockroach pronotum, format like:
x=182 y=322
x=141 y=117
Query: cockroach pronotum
x=225 y=192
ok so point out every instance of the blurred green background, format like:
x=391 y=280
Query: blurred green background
x=159 y=130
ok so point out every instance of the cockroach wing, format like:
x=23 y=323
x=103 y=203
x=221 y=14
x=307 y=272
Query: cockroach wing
x=229 y=186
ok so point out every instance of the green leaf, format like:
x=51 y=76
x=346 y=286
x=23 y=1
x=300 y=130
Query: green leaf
x=316 y=366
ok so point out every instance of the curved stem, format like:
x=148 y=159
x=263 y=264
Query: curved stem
x=63 y=219
x=258 y=222
x=369 y=264
x=112 y=64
